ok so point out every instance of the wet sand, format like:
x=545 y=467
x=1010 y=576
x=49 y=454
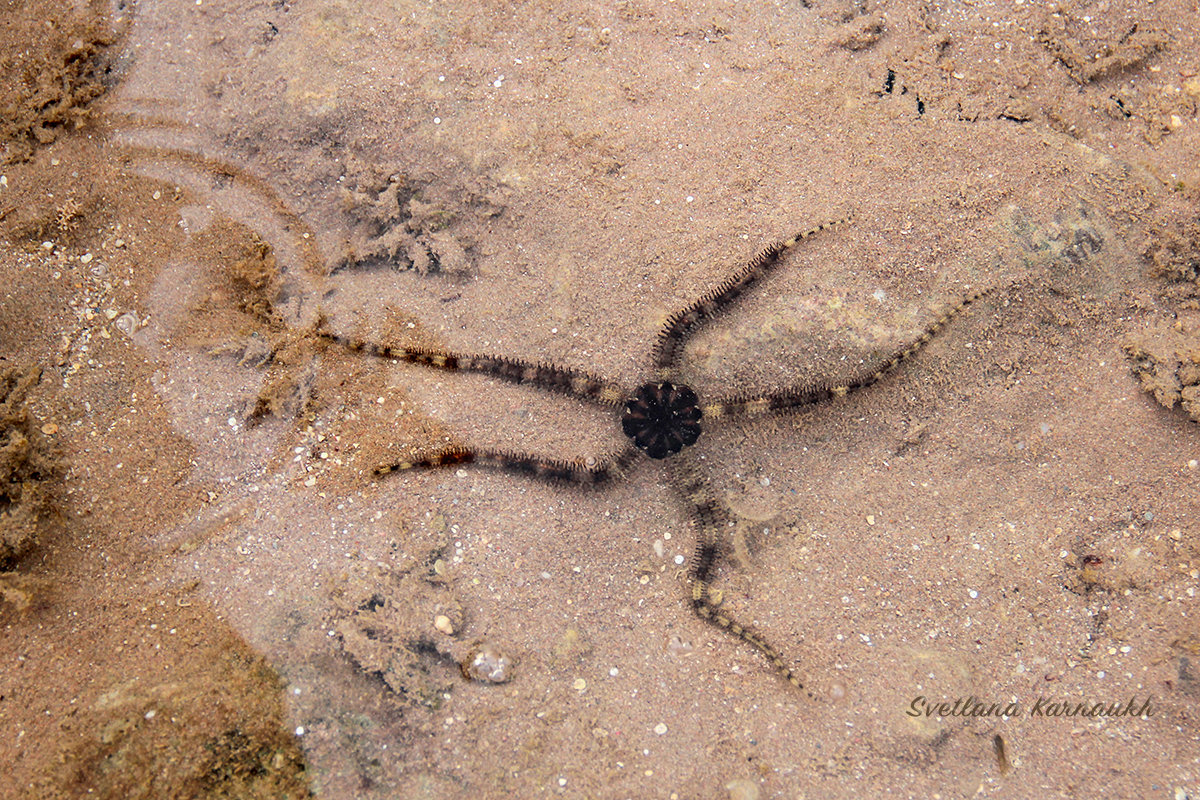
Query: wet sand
x=207 y=590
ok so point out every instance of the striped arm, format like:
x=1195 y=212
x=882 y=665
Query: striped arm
x=575 y=383
x=587 y=472
x=801 y=396
x=711 y=520
x=679 y=326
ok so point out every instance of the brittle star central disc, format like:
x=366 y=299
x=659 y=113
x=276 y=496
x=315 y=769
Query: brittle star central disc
x=662 y=418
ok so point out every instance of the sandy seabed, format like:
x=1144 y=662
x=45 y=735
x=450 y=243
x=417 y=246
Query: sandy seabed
x=983 y=567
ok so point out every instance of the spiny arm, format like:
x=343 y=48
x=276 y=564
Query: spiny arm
x=801 y=396
x=711 y=520
x=575 y=383
x=586 y=472
x=679 y=326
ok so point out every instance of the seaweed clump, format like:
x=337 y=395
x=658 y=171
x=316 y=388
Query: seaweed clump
x=1175 y=254
x=26 y=466
x=1166 y=359
x=57 y=64
x=1166 y=354
x=244 y=292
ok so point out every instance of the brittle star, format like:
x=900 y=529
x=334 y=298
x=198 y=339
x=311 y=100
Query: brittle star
x=662 y=419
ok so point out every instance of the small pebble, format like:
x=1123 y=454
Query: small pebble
x=486 y=663
x=660 y=728
x=49 y=429
x=127 y=323
x=443 y=624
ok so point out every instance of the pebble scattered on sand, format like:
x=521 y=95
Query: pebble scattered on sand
x=486 y=663
x=127 y=323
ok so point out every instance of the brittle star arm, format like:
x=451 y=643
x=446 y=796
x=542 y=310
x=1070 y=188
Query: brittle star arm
x=586 y=472
x=562 y=380
x=681 y=324
x=752 y=405
x=712 y=521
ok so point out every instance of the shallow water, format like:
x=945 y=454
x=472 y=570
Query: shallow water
x=579 y=172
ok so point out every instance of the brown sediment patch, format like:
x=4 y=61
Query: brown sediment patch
x=48 y=84
x=212 y=727
x=57 y=196
x=235 y=313
x=241 y=281
x=115 y=687
x=1175 y=253
x=1166 y=359
x=26 y=467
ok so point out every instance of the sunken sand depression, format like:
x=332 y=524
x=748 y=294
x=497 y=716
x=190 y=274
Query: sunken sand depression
x=208 y=581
